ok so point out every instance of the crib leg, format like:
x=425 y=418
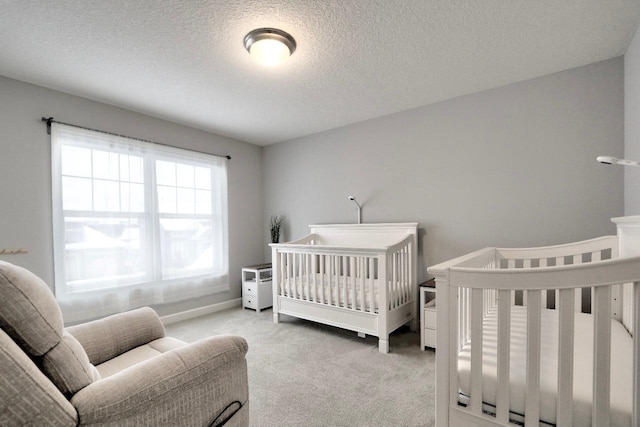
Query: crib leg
x=362 y=335
x=413 y=325
x=276 y=317
x=383 y=345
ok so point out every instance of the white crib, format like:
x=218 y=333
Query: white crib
x=360 y=277
x=541 y=336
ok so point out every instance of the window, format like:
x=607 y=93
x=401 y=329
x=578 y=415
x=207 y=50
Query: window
x=135 y=223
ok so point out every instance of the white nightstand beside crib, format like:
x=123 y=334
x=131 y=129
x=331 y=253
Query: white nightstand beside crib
x=257 y=292
x=428 y=314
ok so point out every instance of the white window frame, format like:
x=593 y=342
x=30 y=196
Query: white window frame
x=101 y=297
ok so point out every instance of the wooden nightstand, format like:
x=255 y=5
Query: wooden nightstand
x=256 y=287
x=428 y=314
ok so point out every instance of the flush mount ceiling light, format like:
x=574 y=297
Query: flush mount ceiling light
x=269 y=46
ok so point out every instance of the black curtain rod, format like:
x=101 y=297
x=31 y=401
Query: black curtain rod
x=50 y=120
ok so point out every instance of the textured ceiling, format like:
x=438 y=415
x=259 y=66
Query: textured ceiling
x=183 y=60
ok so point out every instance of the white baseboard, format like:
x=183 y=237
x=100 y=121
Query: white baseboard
x=200 y=311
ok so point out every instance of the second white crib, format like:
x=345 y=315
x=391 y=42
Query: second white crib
x=513 y=341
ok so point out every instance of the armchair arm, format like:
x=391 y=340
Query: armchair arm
x=111 y=336
x=187 y=386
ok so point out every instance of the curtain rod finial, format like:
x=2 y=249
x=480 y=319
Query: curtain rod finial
x=48 y=120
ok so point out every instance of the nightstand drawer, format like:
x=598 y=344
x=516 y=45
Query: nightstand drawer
x=429 y=319
x=249 y=301
x=429 y=337
x=250 y=288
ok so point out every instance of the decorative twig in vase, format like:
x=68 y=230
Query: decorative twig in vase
x=276 y=225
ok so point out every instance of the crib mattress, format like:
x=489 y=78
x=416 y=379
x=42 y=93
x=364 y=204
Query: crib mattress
x=621 y=366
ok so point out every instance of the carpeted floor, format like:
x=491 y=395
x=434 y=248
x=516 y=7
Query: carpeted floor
x=305 y=374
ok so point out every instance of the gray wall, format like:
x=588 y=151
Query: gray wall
x=512 y=166
x=25 y=176
x=632 y=126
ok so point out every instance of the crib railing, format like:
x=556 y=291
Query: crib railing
x=343 y=277
x=495 y=279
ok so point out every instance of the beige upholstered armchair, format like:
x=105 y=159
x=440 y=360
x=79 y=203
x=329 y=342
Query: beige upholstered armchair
x=118 y=371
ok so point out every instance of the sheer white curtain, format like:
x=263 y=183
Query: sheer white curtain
x=134 y=223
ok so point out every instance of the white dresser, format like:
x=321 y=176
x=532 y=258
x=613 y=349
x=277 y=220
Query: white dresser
x=257 y=293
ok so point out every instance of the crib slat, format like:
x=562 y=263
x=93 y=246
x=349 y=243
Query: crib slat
x=341 y=274
x=455 y=297
x=398 y=294
x=408 y=278
x=545 y=299
x=504 y=346
x=372 y=287
x=336 y=278
x=389 y=281
x=407 y=263
x=467 y=311
x=461 y=318
x=329 y=273
x=338 y=262
x=288 y=274
x=532 y=396
x=463 y=313
x=304 y=278
x=394 y=260
x=294 y=273
x=476 y=351
x=403 y=280
x=280 y=275
x=353 y=276
x=361 y=266
x=308 y=278
x=329 y=261
x=564 y=410
x=299 y=277
x=601 y=356
x=321 y=276
x=578 y=299
x=398 y=288
x=314 y=277
x=363 y=282
x=304 y=295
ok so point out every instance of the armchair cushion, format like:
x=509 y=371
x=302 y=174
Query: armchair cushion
x=190 y=385
x=137 y=355
x=68 y=366
x=27 y=397
x=111 y=336
x=29 y=313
